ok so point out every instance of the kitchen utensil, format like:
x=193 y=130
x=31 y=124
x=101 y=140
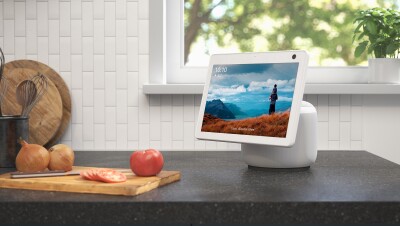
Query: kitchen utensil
x=41 y=83
x=3 y=91
x=26 y=95
x=11 y=128
x=63 y=91
x=133 y=186
x=53 y=173
x=3 y=81
x=45 y=117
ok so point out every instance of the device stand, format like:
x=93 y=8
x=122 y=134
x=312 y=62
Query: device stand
x=302 y=154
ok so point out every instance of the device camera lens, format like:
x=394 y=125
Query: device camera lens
x=294 y=56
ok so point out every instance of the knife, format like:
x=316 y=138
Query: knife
x=53 y=173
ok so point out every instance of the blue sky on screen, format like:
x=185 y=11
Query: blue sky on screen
x=248 y=85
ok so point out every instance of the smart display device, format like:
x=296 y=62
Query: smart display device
x=253 y=98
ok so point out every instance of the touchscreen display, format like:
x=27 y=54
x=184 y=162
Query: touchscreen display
x=250 y=99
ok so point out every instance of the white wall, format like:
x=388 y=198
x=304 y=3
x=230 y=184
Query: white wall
x=101 y=50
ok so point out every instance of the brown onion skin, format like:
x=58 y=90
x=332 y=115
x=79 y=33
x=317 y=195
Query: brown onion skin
x=32 y=158
x=61 y=157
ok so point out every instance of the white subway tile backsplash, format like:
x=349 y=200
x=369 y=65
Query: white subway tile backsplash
x=132 y=19
x=87 y=54
x=31 y=37
x=87 y=19
x=133 y=54
x=120 y=9
x=122 y=136
x=42 y=19
x=98 y=36
x=122 y=74
x=99 y=136
x=345 y=128
x=122 y=107
x=65 y=19
x=155 y=123
x=322 y=108
x=133 y=124
x=54 y=62
x=54 y=10
x=109 y=19
x=98 y=72
x=76 y=9
x=166 y=135
x=177 y=116
x=144 y=136
x=188 y=137
x=19 y=52
x=166 y=108
x=88 y=124
x=65 y=53
x=9 y=37
x=110 y=53
x=76 y=112
x=111 y=124
x=43 y=49
x=31 y=9
x=87 y=88
x=110 y=89
x=121 y=38
x=99 y=105
x=188 y=110
x=76 y=37
x=143 y=70
x=54 y=37
x=98 y=10
x=334 y=126
x=143 y=37
x=77 y=136
x=76 y=71
x=20 y=19
x=133 y=89
x=8 y=9
x=144 y=108
x=101 y=50
x=143 y=9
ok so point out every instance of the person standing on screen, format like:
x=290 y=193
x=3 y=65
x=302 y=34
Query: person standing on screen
x=273 y=97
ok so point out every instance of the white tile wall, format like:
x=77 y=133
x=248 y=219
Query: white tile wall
x=101 y=49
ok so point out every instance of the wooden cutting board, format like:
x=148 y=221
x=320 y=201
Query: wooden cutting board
x=58 y=82
x=133 y=186
x=45 y=117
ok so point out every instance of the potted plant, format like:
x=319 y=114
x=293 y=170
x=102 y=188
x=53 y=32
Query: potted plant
x=378 y=33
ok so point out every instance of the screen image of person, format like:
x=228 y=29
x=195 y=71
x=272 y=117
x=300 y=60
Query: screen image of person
x=250 y=99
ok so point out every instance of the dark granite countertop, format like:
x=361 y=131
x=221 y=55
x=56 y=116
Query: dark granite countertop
x=218 y=187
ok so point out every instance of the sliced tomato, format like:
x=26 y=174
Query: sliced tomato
x=111 y=176
x=84 y=174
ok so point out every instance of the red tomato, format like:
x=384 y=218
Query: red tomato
x=146 y=163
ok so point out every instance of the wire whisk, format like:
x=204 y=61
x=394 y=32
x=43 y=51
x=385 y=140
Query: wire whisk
x=29 y=92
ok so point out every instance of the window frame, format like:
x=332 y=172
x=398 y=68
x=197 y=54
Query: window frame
x=167 y=66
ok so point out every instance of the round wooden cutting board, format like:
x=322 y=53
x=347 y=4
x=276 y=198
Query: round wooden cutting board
x=45 y=117
x=58 y=82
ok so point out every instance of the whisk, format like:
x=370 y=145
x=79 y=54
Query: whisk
x=3 y=80
x=29 y=92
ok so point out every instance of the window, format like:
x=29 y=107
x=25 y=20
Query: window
x=197 y=28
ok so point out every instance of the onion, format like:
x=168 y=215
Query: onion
x=61 y=157
x=31 y=157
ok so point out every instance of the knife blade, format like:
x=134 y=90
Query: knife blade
x=54 y=173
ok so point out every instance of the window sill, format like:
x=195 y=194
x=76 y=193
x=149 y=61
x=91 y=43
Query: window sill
x=310 y=88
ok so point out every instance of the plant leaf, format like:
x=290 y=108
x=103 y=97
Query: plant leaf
x=360 y=49
x=392 y=47
x=371 y=26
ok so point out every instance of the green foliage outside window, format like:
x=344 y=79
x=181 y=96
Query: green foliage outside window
x=322 y=27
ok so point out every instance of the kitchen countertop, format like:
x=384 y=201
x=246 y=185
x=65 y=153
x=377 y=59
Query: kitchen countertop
x=218 y=187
